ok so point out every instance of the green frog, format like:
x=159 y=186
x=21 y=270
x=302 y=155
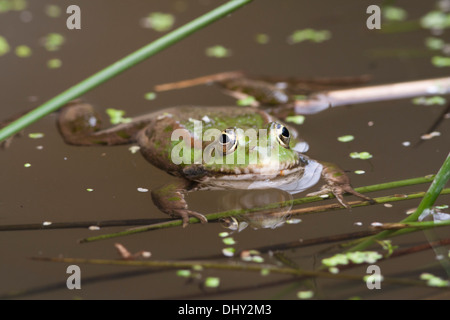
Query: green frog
x=210 y=148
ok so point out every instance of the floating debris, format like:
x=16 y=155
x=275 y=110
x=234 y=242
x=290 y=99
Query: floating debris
x=134 y=149
x=142 y=189
x=94 y=228
x=293 y=221
x=430 y=135
x=89 y=189
x=359 y=172
x=27 y=165
x=406 y=143
x=46 y=223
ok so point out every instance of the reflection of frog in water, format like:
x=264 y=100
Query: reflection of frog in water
x=289 y=170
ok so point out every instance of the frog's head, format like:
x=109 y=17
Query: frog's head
x=265 y=151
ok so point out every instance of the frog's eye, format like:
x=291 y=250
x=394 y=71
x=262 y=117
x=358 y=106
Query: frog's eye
x=282 y=134
x=228 y=141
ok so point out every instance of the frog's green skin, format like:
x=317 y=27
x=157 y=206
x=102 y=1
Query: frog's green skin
x=79 y=124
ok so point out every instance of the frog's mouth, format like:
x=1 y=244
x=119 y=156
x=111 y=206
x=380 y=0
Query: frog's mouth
x=292 y=177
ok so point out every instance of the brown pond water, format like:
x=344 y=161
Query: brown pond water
x=54 y=187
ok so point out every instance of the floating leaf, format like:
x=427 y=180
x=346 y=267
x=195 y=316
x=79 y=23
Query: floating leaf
x=10 y=5
x=434 y=43
x=435 y=20
x=54 y=63
x=53 y=41
x=116 y=116
x=305 y=294
x=298 y=119
x=184 y=273
x=262 y=38
x=218 y=52
x=429 y=101
x=4 y=46
x=440 y=62
x=36 y=135
x=150 y=96
x=346 y=138
x=212 y=282
x=229 y=241
x=53 y=11
x=309 y=35
x=23 y=51
x=228 y=252
x=361 y=155
x=434 y=281
x=357 y=257
x=391 y=13
x=247 y=101
x=159 y=21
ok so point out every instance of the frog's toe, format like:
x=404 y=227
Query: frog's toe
x=187 y=214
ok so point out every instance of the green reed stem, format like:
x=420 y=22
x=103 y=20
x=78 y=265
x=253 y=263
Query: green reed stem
x=120 y=66
x=216 y=216
x=428 y=200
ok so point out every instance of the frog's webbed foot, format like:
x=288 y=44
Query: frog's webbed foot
x=170 y=200
x=338 y=184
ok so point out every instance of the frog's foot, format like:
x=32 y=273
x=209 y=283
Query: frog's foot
x=170 y=200
x=338 y=183
x=186 y=214
x=338 y=191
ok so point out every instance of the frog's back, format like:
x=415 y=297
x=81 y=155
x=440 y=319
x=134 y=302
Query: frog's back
x=156 y=139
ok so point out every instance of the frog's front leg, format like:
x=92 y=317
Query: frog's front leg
x=338 y=183
x=170 y=199
x=80 y=124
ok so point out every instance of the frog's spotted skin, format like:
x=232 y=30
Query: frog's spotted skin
x=289 y=170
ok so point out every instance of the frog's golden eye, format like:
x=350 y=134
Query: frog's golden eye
x=282 y=134
x=228 y=140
